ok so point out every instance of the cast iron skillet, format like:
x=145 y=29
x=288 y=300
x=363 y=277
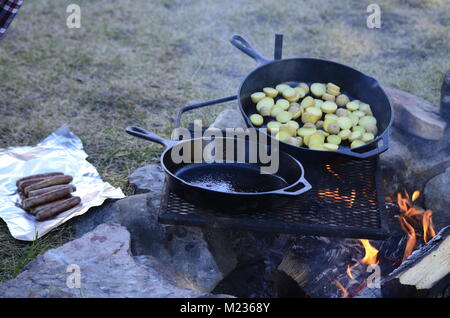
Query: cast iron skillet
x=269 y=73
x=233 y=186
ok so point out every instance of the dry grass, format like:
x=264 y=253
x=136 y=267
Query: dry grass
x=136 y=62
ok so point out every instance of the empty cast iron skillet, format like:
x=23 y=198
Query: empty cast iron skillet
x=233 y=186
x=354 y=83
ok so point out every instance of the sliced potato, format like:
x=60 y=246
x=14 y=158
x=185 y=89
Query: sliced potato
x=256 y=119
x=295 y=109
x=304 y=86
x=366 y=109
x=344 y=122
x=341 y=112
x=331 y=116
x=300 y=91
x=355 y=136
x=281 y=87
x=359 y=113
x=327 y=122
x=266 y=101
x=311 y=115
x=256 y=97
x=334 y=139
x=354 y=118
x=328 y=97
x=357 y=143
x=316 y=146
x=367 y=137
x=285 y=128
x=333 y=87
x=352 y=106
x=289 y=93
x=306 y=131
x=359 y=128
x=273 y=126
x=367 y=120
x=323 y=132
x=344 y=134
x=265 y=110
x=271 y=92
x=318 y=103
x=342 y=100
x=284 y=116
x=282 y=136
x=330 y=146
x=371 y=128
x=307 y=102
x=294 y=141
x=318 y=89
x=294 y=124
x=316 y=139
x=329 y=107
x=275 y=111
x=319 y=124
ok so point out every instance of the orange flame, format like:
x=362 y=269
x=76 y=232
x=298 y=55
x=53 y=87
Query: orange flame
x=342 y=288
x=370 y=258
x=349 y=272
x=410 y=216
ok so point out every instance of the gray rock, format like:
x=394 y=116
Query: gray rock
x=183 y=248
x=148 y=179
x=445 y=97
x=229 y=118
x=437 y=199
x=106 y=270
x=416 y=116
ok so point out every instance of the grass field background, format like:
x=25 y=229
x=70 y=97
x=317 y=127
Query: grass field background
x=136 y=62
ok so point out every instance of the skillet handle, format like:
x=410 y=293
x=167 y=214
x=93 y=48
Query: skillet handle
x=145 y=134
x=301 y=186
x=199 y=105
x=363 y=155
x=243 y=45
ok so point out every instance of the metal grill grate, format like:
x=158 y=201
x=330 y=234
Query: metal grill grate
x=346 y=201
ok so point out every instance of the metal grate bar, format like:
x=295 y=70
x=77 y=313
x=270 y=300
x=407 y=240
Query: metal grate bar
x=345 y=202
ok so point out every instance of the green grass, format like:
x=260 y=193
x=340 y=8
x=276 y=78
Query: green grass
x=136 y=62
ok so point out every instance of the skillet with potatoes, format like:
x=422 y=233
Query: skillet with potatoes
x=340 y=94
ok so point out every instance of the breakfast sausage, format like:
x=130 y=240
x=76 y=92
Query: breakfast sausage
x=40 y=175
x=35 y=210
x=56 y=180
x=25 y=183
x=56 y=209
x=48 y=189
x=46 y=198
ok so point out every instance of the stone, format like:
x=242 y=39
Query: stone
x=149 y=178
x=106 y=269
x=183 y=248
x=229 y=118
x=445 y=97
x=416 y=116
x=437 y=199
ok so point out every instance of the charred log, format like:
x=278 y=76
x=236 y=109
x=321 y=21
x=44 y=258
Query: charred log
x=425 y=273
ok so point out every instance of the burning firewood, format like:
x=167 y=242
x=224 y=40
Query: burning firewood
x=425 y=273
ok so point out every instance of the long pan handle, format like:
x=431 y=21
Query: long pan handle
x=199 y=105
x=145 y=134
x=244 y=46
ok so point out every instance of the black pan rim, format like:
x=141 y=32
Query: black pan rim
x=371 y=144
x=274 y=192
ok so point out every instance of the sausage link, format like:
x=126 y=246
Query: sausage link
x=56 y=180
x=58 y=208
x=35 y=210
x=40 y=175
x=45 y=198
x=25 y=183
x=48 y=189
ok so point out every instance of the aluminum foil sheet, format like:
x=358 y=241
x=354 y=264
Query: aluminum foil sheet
x=61 y=151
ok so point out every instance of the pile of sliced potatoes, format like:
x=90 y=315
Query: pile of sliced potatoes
x=317 y=116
